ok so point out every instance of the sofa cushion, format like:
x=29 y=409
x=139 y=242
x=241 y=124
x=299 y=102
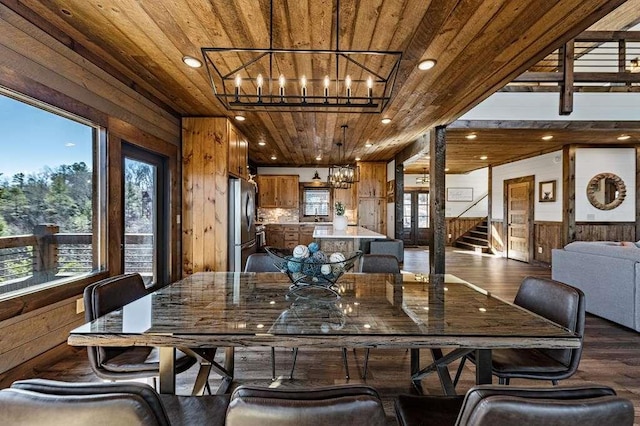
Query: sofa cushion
x=605 y=248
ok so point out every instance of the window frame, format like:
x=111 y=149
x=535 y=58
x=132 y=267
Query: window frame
x=306 y=188
x=77 y=282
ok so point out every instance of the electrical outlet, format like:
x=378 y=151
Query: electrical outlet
x=79 y=306
x=539 y=249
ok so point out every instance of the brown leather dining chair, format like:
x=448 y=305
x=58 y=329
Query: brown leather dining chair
x=558 y=302
x=499 y=405
x=54 y=403
x=122 y=363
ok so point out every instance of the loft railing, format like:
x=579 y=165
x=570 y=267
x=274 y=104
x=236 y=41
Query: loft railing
x=594 y=61
x=47 y=255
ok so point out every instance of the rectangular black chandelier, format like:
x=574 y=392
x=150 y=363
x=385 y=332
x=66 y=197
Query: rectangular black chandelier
x=278 y=79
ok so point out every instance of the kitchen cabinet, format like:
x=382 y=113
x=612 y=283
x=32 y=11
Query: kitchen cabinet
x=274 y=235
x=373 y=180
x=372 y=213
x=238 y=153
x=278 y=191
x=348 y=197
x=291 y=236
x=306 y=234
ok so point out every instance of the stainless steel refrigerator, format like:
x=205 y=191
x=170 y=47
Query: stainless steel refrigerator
x=242 y=222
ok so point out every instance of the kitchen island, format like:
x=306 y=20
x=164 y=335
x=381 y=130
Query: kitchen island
x=346 y=241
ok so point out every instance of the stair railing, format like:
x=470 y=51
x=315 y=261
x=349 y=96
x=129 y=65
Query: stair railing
x=470 y=206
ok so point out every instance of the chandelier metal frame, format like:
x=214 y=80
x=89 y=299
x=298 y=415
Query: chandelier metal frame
x=343 y=176
x=326 y=93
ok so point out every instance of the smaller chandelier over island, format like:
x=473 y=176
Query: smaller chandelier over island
x=345 y=175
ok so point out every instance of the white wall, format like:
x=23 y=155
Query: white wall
x=477 y=180
x=544 y=106
x=592 y=161
x=545 y=168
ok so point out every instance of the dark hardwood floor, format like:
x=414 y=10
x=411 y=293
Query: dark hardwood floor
x=610 y=355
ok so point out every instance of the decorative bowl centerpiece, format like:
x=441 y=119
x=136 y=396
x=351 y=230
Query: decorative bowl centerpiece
x=309 y=266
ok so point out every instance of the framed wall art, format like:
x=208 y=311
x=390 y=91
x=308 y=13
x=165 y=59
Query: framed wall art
x=459 y=194
x=547 y=191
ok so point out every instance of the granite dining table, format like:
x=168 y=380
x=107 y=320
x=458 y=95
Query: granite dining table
x=226 y=310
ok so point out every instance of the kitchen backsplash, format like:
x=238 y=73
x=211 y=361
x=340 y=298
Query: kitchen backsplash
x=278 y=215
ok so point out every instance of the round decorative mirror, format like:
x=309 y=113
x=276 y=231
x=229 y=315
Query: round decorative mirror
x=606 y=191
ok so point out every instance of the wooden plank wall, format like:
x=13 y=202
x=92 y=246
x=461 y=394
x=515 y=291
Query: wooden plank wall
x=594 y=231
x=456 y=227
x=548 y=236
x=204 y=194
x=36 y=332
x=37 y=65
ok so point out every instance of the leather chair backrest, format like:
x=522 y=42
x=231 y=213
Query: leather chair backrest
x=51 y=403
x=351 y=405
x=560 y=303
x=105 y=296
x=379 y=263
x=260 y=262
x=505 y=405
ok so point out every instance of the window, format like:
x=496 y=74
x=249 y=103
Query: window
x=316 y=201
x=49 y=218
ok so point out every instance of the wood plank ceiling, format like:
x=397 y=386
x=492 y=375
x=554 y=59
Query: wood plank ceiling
x=479 y=45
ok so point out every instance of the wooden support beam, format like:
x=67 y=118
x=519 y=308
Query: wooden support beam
x=399 y=199
x=568 y=194
x=437 y=224
x=566 y=86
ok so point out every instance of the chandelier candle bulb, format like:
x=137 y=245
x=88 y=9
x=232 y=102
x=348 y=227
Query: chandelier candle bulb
x=327 y=82
x=237 y=89
x=303 y=83
x=282 y=83
x=370 y=89
x=259 y=82
x=347 y=83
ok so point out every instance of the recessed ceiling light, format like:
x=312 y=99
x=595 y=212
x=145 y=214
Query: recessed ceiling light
x=386 y=120
x=262 y=143
x=358 y=158
x=483 y=157
x=427 y=64
x=471 y=136
x=547 y=137
x=624 y=137
x=240 y=117
x=446 y=169
x=319 y=157
x=273 y=157
x=192 y=62
x=368 y=145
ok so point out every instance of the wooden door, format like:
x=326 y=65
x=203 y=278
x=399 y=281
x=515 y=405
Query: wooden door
x=519 y=214
x=415 y=218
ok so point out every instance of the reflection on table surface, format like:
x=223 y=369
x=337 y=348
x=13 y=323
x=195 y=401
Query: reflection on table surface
x=373 y=310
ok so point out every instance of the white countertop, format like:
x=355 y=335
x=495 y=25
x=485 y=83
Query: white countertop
x=353 y=232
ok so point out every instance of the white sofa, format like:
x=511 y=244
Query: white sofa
x=609 y=275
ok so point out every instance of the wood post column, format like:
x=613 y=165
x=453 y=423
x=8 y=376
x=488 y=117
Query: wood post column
x=437 y=224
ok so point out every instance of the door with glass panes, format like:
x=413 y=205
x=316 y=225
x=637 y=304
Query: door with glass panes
x=415 y=218
x=145 y=224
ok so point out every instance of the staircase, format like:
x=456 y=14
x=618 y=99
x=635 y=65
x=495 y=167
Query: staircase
x=475 y=239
